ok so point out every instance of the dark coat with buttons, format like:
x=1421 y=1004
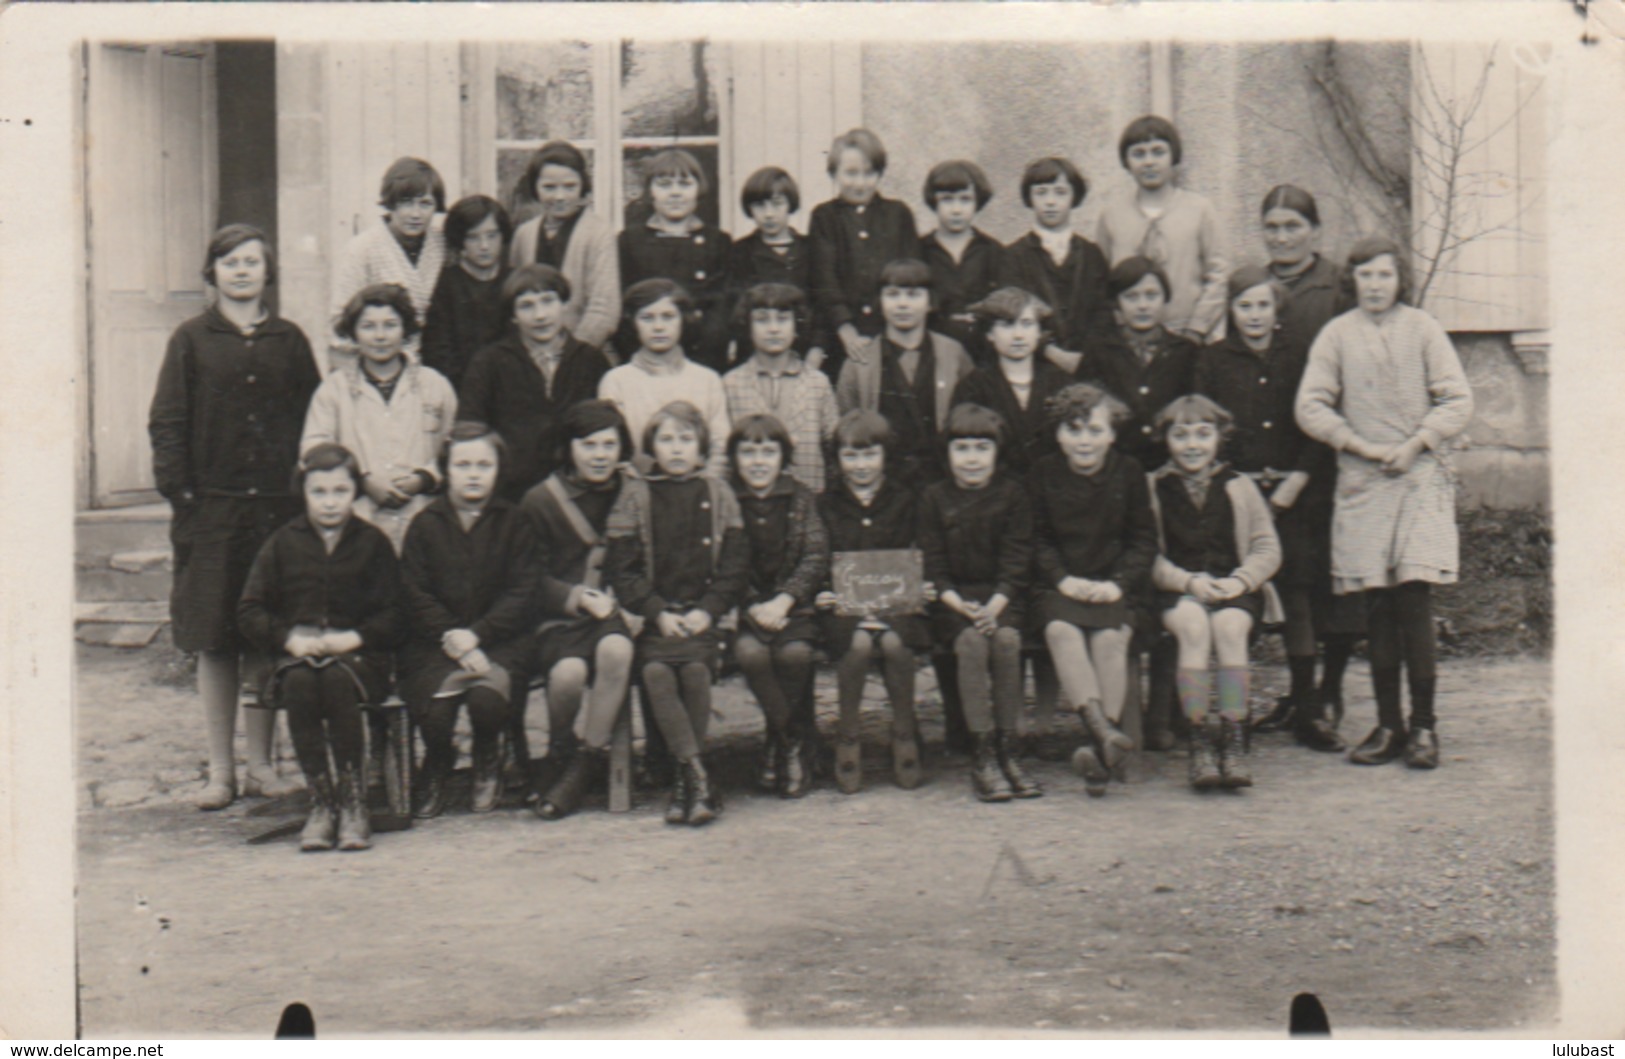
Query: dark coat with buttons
x=229 y=409
x=465 y=316
x=979 y=544
x=789 y=546
x=1031 y=434
x=1075 y=290
x=890 y=522
x=1146 y=388
x=850 y=246
x=960 y=284
x=1098 y=527
x=699 y=262
x=1259 y=390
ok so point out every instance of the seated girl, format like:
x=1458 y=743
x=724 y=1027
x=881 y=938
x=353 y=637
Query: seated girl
x=870 y=510
x=679 y=558
x=976 y=531
x=471 y=574
x=585 y=638
x=1096 y=539
x=465 y=312
x=1218 y=548
x=392 y=414
x=789 y=560
x=323 y=600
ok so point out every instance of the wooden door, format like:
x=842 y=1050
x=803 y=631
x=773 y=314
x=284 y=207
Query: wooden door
x=150 y=174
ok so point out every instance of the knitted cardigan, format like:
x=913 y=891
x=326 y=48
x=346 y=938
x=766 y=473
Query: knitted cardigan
x=592 y=264
x=1256 y=541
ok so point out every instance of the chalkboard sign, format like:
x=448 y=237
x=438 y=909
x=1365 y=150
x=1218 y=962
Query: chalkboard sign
x=878 y=584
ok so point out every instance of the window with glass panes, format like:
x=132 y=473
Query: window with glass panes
x=618 y=102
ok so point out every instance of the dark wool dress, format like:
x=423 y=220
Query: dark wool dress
x=789 y=554
x=1145 y=386
x=1099 y=527
x=1075 y=290
x=504 y=388
x=1202 y=540
x=465 y=316
x=978 y=543
x=484 y=579
x=911 y=410
x=699 y=262
x=889 y=522
x=225 y=424
x=295 y=582
x=850 y=246
x=1031 y=434
x=961 y=284
x=571 y=558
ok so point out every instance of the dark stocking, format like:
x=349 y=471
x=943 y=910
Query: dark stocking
x=666 y=704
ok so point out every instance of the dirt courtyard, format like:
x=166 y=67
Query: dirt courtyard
x=1405 y=901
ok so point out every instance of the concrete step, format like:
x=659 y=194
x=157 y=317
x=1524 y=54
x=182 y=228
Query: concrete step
x=106 y=585
x=101 y=534
x=122 y=612
x=135 y=634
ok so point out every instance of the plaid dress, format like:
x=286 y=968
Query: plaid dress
x=1386 y=379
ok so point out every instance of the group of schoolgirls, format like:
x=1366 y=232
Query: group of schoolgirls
x=487 y=452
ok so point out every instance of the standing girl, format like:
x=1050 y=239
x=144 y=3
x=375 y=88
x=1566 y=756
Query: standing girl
x=966 y=263
x=224 y=426
x=789 y=560
x=408 y=248
x=775 y=252
x=976 y=531
x=678 y=557
x=1019 y=382
x=677 y=244
x=393 y=415
x=471 y=575
x=871 y=510
x=1218 y=547
x=1096 y=539
x=465 y=311
x=1057 y=265
x=1253 y=373
x=585 y=638
x=1385 y=389
x=323 y=600
x=661 y=372
x=853 y=236
x=1177 y=229
x=570 y=237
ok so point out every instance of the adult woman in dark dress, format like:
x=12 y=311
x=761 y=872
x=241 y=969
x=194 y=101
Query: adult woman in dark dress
x=225 y=425
x=1315 y=294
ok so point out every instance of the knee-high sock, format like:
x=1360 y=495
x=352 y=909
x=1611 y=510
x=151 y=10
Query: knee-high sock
x=1195 y=689
x=1339 y=649
x=1387 y=655
x=1233 y=692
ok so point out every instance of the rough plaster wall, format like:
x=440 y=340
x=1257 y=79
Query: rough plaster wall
x=302 y=189
x=1506 y=462
x=1002 y=106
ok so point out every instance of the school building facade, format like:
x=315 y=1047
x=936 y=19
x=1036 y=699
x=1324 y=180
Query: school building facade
x=294 y=137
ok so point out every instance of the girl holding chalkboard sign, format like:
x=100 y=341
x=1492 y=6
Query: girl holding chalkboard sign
x=976 y=531
x=1096 y=539
x=869 y=510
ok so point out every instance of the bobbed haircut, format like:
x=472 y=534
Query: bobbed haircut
x=907 y=272
x=381 y=296
x=554 y=152
x=411 y=178
x=468 y=430
x=1130 y=271
x=783 y=296
x=586 y=418
x=1006 y=305
x=1077 y=403
x=862 y=141
x=467 y=214
x=767 y=182
x=674 y=162
x=863 y=429
x=326 y=456
x=685 y=413
x=1145 y=130
x=971 y=420
x=1193 y=408
x=758 y=427
x=1247 y=277
x=644 y=293
x=532 y=279
x=1368 y=249
x=957 y=175
x=1294 y=198
x=230 y=237
x=1048 y=171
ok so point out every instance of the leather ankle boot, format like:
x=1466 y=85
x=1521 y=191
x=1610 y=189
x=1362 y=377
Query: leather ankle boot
x=1422 y=749
x=849 y=765
x=704 y=803
x=487 y=788
x=905 y=761
x=1233 y=771
x=430 y=788
x=682 y=798
x=768 y=762
x=795 y=774
x=564 y=796
x=1284 y=715
x=987 y=779
x=1205 y=773
x=1312 y=730
x=1110 y=742
x=321 y=825
x=1380 y=747
x=1021 y=784
x=355 y=822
